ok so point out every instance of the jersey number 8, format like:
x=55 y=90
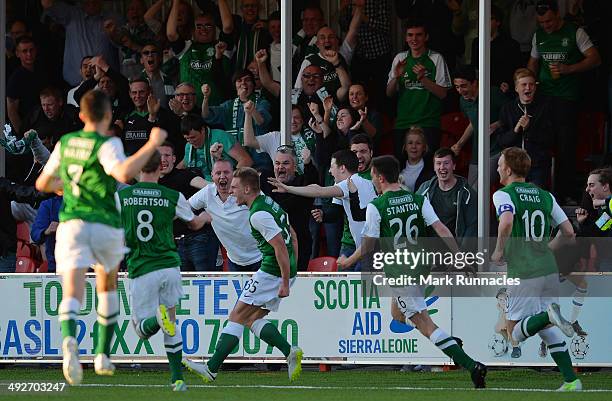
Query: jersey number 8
x=145 y=218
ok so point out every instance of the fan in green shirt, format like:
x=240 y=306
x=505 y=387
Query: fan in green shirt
x=421 y=80
x=560 y=50
x=466 y=84
x=206 y=145
x=203 y=59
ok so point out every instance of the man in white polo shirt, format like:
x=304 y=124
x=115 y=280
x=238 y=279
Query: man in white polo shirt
x=344 y=165
x=230 y=221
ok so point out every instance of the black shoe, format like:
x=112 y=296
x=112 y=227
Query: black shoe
x=578 y=329
x=543 y=350
x=478 y=375
x=516 y=352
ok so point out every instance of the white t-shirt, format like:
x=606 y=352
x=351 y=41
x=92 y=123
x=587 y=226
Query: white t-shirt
x=371 y=228
x=410 y=174
x=345 y=51
x=70 y=96
x=503 y=203
x=366 y=192
x=275 y=61
x=231 y=224
x=109 y=155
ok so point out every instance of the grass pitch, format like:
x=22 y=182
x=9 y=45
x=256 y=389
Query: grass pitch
x=360 y=384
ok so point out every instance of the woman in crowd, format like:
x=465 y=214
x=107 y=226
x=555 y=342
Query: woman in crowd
x=417 y=169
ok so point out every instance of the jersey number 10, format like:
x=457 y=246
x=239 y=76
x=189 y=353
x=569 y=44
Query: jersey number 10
x=532 y=224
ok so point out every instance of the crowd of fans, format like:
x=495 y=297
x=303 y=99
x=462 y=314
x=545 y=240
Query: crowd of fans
x=211 y=79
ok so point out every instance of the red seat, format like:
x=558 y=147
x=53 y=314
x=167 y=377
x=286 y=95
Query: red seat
x=43 y=268
x=591 y=139
x=23 y=240
x=23 y=231
x=225 y=259
x=452 y=126
x=29 y=256
x=25 y=265
x=386 y=143
x=323 y=264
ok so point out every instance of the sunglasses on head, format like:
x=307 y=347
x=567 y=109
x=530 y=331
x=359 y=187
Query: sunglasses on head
x=286 y=149
x=542 y=7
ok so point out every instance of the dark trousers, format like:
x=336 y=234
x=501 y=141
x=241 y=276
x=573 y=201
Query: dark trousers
x=333 y=235
x=540 y=176
x=198 y=251
x=566 y=115
x=373 y=74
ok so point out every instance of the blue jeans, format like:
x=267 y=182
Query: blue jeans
x=8 y=263
x=199 y=251
x=233 y=267
x=539 y=176
x=348 y=250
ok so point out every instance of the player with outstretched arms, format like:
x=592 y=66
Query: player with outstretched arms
x=399 y=210
x=269 y=285
x=147 y=211
x=527 y=215
x=85 y=166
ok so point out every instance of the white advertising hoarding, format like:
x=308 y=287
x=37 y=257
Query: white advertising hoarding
x=333 y=318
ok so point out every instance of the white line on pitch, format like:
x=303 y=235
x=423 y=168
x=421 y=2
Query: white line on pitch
x=263 y=386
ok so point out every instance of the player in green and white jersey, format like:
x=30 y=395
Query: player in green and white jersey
x=147 y=211
x=84 y=166
x=527 y=215
x=403 y=216
x=264 y=291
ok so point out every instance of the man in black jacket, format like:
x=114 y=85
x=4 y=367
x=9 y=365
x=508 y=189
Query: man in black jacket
x=146 y=114
x=53 y=118
x=112 y=83
x=297 y=207
x=527 y=123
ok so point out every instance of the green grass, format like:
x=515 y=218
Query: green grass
x=360 y=384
